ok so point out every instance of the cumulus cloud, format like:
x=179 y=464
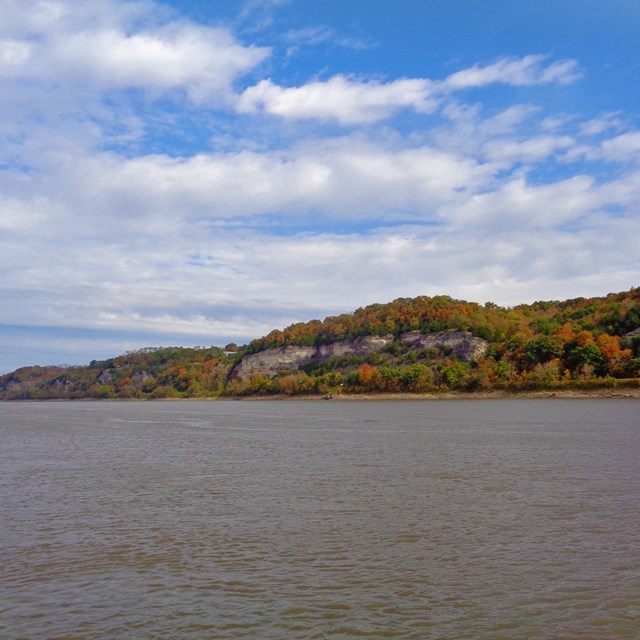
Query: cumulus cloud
x=104 y=73
x=65 y=49
x=350 y=101
x=342 y=99
x=203 y=61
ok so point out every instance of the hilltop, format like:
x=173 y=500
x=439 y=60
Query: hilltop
x=416 y=345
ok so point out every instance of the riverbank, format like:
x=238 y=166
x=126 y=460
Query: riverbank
x=559 y=394
x=495 y=394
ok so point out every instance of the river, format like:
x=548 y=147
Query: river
x=419 y=520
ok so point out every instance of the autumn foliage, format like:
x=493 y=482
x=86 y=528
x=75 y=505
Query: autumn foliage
x=551 y=344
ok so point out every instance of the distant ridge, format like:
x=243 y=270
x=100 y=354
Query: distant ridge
x=408 y=345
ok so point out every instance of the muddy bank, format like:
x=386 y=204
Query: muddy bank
x=460 y=395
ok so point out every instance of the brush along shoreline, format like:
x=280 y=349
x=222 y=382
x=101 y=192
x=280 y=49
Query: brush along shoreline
x=571 y=394
x=563 y=394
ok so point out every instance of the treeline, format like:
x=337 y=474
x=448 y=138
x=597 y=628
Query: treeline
x=616 y=314
x=169 y=372
x=584 y=342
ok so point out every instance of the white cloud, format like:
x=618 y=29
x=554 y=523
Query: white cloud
x=509 y=121
x=349 y=177
x=623 y=192
x=509 y=151
x=22 y=214
x=43 y=17
x=135 y=241
x=622 y=148
x=510 y=138
x=517 y=204
x=70 y=50
x=257 y=15
x=14 y=55
x=350 y=102
x=525 y=71
x=119 y=268
x=341 y=99
x=596 y=126
x=301 y=39
x=203 y=61
x=103 y=73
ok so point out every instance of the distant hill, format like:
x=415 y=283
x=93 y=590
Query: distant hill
x=411 y=345
x=163 y=372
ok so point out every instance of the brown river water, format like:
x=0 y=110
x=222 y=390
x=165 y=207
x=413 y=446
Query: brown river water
x=487 y=519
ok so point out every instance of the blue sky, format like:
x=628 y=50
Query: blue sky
x=200 y=172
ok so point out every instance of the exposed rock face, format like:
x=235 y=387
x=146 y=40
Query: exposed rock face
x=106 y=376
x=359 y=347
x=463 y=345
x=140 y=377
x=271 y=361
x=62 y=382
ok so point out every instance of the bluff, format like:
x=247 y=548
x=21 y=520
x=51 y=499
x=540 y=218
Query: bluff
x=423 y=344
x=461 y=344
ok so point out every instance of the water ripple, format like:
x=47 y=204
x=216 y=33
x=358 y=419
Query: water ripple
x=469 y=520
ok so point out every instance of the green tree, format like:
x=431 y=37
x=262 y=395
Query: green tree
x=453 y=372
x=543 y=349
x=590 y=354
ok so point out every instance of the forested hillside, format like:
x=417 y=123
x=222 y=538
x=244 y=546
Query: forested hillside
x=583 y=342
x=169 y=372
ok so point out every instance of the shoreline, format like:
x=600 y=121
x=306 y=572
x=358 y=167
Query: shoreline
x=563 y=394
x=624 y=393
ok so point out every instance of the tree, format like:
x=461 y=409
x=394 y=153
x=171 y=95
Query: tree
x=365 y=374
x=453 y=372
x=417 y=378
x=545 y=375
x=590 y=354
x=544 y=349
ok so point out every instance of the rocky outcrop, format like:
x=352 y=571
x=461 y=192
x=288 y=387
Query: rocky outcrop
x=62 y=381
x=462 y=345
x=272 y=361
x=359 y=347
x=106 y=376
x=140 y=377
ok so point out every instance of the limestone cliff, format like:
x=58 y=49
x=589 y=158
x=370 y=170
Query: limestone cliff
x=463 y=345
x=271 y=361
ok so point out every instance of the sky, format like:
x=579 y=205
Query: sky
x=202 y=172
